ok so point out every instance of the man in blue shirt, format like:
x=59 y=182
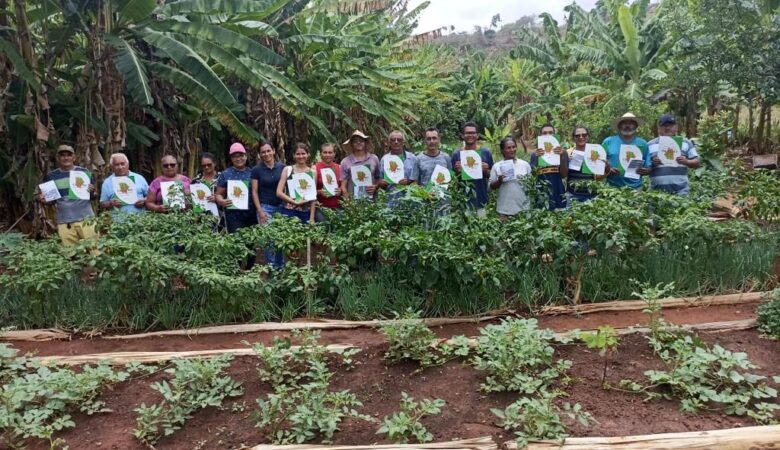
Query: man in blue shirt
x=479 y=195
x=672 y=179
x=626 y=126
x=108 y=197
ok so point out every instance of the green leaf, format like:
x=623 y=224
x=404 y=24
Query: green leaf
x=130 y=11
x=19 y=65
x=132 y=69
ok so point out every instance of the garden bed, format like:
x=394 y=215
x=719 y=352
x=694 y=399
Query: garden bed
x=378 y=384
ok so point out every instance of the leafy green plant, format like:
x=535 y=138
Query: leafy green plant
x=769 y=317
x=37 y=401
x=652 y=296
x=517 y=356
x=410 y=339
x=704 y=377
x=405 y=425
x=539 y=418
x=605 y=340
x=195 y=384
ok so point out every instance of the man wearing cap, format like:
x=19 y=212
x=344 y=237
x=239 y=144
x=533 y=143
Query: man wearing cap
x=395 y=141
x=70 y=212
x=120 y=165
x=235 y=219
x=626 y=126
x=359 y=154
x=672 y=179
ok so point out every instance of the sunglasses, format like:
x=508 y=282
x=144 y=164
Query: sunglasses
x=207 y=165
x=396 y=139
x=168 y=166
x=579 y=136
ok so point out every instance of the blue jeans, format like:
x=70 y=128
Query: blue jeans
x=272 y=257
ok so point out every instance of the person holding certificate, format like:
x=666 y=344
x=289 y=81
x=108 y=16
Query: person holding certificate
x=327 y=171
x=587 y=163
x=627 y=153
x=507 y=178
x=672 y=156
x=359 y=173
x=265 y=178
x=297 y=187
x=70 y=187
x=124 y=191
x=397 y=168
x=171 y=190
x=551 y=164
x=473 y=164
x=233 y=191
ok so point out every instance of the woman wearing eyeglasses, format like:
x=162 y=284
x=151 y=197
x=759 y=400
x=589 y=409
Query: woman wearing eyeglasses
x=176 y=185
x=577 y=180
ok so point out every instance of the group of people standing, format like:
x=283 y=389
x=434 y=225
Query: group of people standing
x=274 y=188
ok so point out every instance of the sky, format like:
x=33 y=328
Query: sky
x=465 y=14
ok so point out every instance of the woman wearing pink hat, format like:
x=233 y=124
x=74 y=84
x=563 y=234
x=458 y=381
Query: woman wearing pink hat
x=233 y=191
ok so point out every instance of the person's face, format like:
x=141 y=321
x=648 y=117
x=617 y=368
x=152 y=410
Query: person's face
x=396 y=142
x=238 y=160
x=547 y=131
x=580 y=137
x=431 y=140
x=470 y=135
x=510 y=150
x=267 y=154
x=169 y=166
x=120 y=167
x=667 y=130
x=358 y=144
x=65 y=159
x=301 y=156
x=627 y=128
x=328 y=154
x=206 y=166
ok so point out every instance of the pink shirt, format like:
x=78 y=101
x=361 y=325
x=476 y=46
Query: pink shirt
x=155 y=187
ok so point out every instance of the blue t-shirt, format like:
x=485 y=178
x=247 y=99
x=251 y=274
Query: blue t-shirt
x=267 y=180
x=479 y=197
x=612 y=145
x=551 y=176
x=141 y=189
x=232 y=174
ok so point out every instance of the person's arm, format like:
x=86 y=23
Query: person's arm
x=495 y=179
x=487 y=162
x=414 y=174
x=280 y=189
x=564 y=167
x=375 y=174
x=221 y=191
x=455 y=163
x=647 y=164
x=143 y=190
x=255 y=188
x=106 y=202
x=151 y=203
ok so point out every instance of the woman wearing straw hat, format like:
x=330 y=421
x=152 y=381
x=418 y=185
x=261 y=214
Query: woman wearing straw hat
x=358 y=146
x=624 y=147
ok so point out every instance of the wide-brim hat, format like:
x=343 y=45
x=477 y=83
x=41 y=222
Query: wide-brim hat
x=626 y=117
x=348 y=143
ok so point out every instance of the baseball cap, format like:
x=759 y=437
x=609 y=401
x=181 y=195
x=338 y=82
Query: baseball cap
x=65 y=148
x=237 y=148
x=667 y=119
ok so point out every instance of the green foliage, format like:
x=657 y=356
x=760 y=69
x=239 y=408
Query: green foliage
x=195 y=384
x=539 y=418
x=605 y=340
x=519 y=357
x=37 y=401
x=405 y=425
x=768 y=316
x=706 y=377
x=712 y=139
x=759 y=194
x=410 y=339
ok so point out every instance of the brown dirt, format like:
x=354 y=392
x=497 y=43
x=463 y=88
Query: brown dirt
x=467 y=413
x=366 y=336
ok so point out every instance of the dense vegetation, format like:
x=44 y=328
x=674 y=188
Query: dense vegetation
x=191 y=75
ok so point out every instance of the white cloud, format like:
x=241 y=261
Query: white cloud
x=465 y=14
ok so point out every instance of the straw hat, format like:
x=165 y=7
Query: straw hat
x=626 y=117
x=347 y=144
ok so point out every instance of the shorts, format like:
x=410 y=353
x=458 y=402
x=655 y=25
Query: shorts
x=71 y=233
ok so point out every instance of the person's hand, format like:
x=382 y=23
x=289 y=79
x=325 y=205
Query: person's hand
x=299 y=202
x=337 y=192
x=500 y=179
x=371 y=189
x=485 y=167
x=558 y=150
x=262 y=216
x=683 y=160
x=643 y=171
x=91 y=188
x=162 y=208
x=612 y=171
x=657 y=161
x=405 y=182
x=212 y=198
x=139 y=203
x=539 y=152
x=458 y=166
x=226 y=203
x=116 y=203
x=383 y=184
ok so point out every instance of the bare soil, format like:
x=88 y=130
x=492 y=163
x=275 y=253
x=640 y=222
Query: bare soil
x=379 y=386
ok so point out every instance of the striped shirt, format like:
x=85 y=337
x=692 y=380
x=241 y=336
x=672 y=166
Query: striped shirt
x=672 y=179
x=69 y=211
